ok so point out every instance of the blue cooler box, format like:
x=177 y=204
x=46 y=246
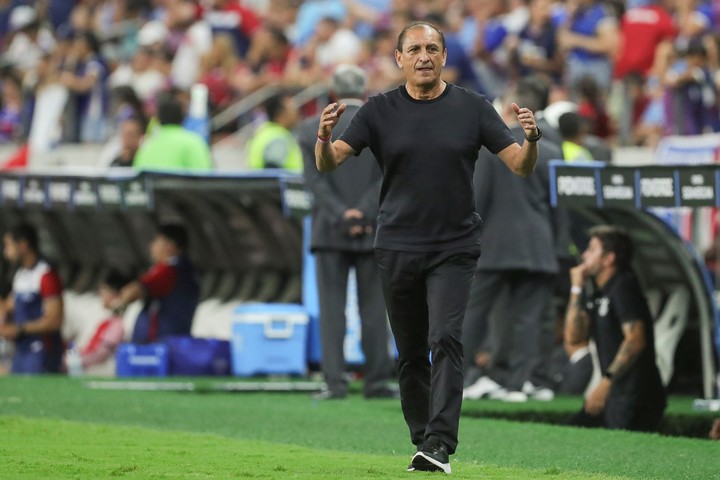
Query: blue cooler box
x=269 y=338
x=133 y=360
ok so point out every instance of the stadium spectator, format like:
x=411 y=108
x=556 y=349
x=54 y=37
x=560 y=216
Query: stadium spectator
x=30 y=41
x=232 y=18
x=132 y=130
x=169 y=289
x=458 y=69
x=643 y=27
x=142 y=73
x=344 y=216
x=84 y=75
x=591 y=107
x=515 y=211
x=330 y=45
x=11 y=111
x=273 y=144
x=32 y=316
x=125 y=105
x=218 y=68
x=266 y=61
x=190 y=39
x=534 y=49
x=691 y=100
x=427 y=237
x=590 y=39
x=378 y=62
x=171 y=147
x=616 y=316
x=96 y=356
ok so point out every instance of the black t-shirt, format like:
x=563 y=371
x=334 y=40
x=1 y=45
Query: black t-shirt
x=427 y=151
x=621 y=300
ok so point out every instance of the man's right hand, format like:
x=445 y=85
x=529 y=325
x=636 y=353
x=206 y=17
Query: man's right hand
x=329 y=118
x=578 y=274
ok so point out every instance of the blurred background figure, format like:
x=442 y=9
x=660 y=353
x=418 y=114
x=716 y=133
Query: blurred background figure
x=573 y=130
x=273 y=144
x=84 y=74
x=32 y=315
x=131 y=135
x=170 y=146
x=169 y=290
x=343 y=232
x=97 y=356
x=508 y=359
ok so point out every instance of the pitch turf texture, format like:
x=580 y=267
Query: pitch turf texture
x=56 y=427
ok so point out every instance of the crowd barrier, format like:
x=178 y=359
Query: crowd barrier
x=669 y=268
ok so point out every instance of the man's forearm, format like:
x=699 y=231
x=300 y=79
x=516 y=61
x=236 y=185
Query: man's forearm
x=576 y=322
x=529 y=159
x=628 y=353
x=325 y=156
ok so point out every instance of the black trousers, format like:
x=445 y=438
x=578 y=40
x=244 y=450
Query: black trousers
x=426 y=294
x=525 y=333
x=332 y=275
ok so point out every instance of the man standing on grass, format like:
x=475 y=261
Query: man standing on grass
x=630 y=394
x=426 y=135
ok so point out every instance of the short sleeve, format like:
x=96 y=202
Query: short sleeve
x=50 y=285
x=629 y=301
x=358 y=133
x=496 y=136
x=159 y=280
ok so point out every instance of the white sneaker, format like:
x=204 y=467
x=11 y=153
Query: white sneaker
x=538 y=393
x=513 y=397
x=482 y=388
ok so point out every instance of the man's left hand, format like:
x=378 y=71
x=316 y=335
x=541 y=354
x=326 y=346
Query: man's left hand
x=595 y=402
x=527 y=120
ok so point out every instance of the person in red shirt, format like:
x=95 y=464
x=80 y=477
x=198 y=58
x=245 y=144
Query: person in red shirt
x=170 y=289
x=231 y=16
x=643 y=28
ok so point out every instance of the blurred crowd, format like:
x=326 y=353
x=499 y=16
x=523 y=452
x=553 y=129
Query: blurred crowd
x=76 y=70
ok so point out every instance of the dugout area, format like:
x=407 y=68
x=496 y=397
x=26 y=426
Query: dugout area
x=246 y=238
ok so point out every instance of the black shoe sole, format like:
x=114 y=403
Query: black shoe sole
x=422 y=462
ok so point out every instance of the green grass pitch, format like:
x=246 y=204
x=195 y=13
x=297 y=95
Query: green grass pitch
x=55 y=427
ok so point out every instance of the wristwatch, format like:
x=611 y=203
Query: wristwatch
x=534 y=138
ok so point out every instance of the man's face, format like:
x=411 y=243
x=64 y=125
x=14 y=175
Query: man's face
x=422 y=57
x=594 y=258
x=162 y=249
x=131 y=134
x=11 y=248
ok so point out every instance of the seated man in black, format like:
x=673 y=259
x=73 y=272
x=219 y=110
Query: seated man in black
x=630 y=394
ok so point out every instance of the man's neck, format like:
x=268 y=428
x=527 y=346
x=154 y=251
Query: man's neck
x=29 y=260
x=604 y=277
x=426 y=94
